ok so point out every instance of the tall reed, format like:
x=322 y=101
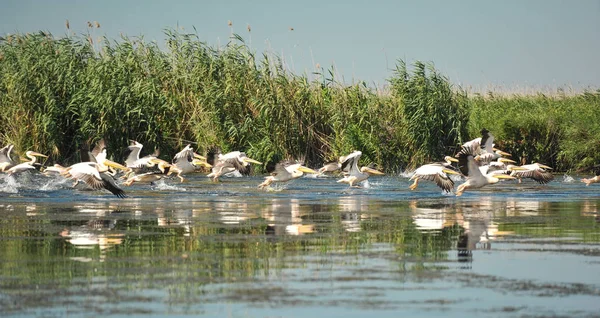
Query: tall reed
x=60 y=94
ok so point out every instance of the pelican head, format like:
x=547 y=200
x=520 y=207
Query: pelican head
x=31 y=154
x=501 y=153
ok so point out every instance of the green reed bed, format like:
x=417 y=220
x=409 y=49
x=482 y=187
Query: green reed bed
x=61 y=94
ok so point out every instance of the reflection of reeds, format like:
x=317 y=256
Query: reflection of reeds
x=59 y=93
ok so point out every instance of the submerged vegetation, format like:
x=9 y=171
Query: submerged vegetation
x=58 y=95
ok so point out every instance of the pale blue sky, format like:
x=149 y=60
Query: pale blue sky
x=534 y=43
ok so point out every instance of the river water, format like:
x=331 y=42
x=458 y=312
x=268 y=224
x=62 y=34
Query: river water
x=312 y=247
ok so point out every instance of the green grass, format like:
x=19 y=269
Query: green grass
x=60 y=94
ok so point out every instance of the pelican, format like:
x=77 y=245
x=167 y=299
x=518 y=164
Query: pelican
x=437 y=172
x=164 y=169
x=95 y=176
x=356 y=175
x=469 y=168
x=6 y=160
x=535 y=171
x=185 y=162
x=134 y=161
x=489 y=157
x=285 y=171
x=229 y=162
x=478 y=145
x=29 y=165
x=330 y=167
x=591 y=180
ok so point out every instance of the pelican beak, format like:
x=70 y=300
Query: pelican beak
x=37 y=154
x=372 y=171
x=198 y=162
x=517 y=168
x=252 y=161
x=504 y=176
x=115 y=165
x=500 y=152
x=23 y=159
x=544 y=166
x=449 y=171
x=505 y=160
x=452 y=159
x=197 y=156
x=306 y=170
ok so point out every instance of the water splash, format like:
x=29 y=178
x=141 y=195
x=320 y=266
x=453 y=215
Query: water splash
x=162 y=185
x=10 y=185
x=568 y=179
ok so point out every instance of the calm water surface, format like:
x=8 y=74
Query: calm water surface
x=315 y=248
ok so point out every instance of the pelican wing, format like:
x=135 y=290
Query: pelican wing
x=487 y=140
x=110 y=185
x=434 y=172
x=467 y=165
x=86 y=172
x=185 y=155
x=5 y=155
x=350 y=163
x=539 y=175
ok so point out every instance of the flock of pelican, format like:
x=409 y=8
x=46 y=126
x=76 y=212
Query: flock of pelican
x=478 y=162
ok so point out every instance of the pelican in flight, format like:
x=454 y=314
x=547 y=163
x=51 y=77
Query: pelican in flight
x=437 y=172
x=134 y=161
x=6 y=160
x=535 y=171
x=470 y=169
x=285 y=171
x=95 y=176
x=356 y=175
x=29 y=165
x=229 y=162
x=187 y=161
x=164 y=169
x=330 y=167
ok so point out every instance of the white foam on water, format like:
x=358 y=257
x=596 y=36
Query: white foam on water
x=568 y=179
x=162 y=185
x=10 y=185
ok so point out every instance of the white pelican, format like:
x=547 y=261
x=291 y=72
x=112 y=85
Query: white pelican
x=164 y=169
x=285 y=171
x=95 y=176
x=488 y=157
x=229 y=162
x=29 y=165
x=6 y=160
x=184 y=162
x=134 y=161
x=470 y=169
x=436 y=172
x=356 y=175
x=330 y=167
x=535 y=171
x=591 y=180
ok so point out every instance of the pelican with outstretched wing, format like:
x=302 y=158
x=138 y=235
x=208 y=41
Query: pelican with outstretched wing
x=470 y=169
x=356 y=175
x=95 y=176
x=229 y=162
x=437 y=172
x=285 y=171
